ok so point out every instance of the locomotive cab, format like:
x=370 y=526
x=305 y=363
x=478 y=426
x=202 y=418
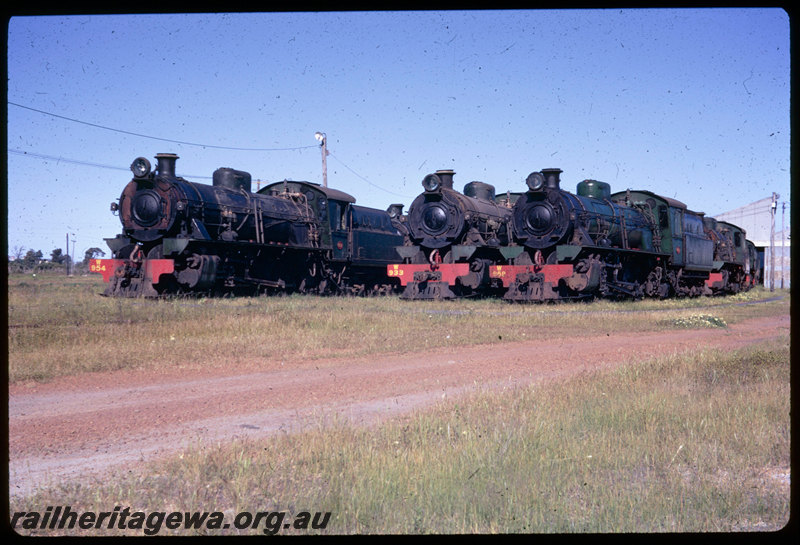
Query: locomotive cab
x=328 y=206
x=664 y=213
x=347 y=230
x=682 y=235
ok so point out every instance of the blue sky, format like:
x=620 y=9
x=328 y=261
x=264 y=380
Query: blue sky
x=688 y=103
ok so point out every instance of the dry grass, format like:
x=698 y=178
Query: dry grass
x=687 y=444
x=696 y=443
x=62 y=326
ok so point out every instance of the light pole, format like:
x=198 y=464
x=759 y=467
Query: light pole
x=73 y=251
x=783 y=238
x=773 y=207
x=323 y=139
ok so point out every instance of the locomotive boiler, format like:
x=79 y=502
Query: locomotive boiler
x=183 y=237
x=451 y=240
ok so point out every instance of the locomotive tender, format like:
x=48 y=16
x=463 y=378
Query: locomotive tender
x=183 y=237
x=626 y=244
x=451 y=240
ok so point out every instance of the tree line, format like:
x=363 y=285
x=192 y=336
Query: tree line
x=32 y=261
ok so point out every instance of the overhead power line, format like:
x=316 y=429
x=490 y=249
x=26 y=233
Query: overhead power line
x=364 y=179
x=155 y=137
x=62 y=160
x=82 y=163
x=73 y=161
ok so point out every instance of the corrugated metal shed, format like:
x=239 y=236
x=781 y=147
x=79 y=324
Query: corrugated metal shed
x=756 y=219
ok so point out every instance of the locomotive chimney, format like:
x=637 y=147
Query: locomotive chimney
x=165 y=165
x=552 y=177
x=446 y=176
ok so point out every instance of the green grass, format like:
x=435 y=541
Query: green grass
x=690 y=443
x=61 y=326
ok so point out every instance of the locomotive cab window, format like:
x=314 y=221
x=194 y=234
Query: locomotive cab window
x=338 y=215
x=663 y=218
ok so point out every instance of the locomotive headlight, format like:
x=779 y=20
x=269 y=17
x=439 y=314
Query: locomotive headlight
x=140 y=167
x=395 y=210
x=535 y=181
x=431 y=182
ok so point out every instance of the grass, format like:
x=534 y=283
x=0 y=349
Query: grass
x=691 y=443
x=61 y=326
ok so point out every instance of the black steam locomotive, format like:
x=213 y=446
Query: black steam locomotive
x=451 y=240
x=183 y=237
x=627 y=244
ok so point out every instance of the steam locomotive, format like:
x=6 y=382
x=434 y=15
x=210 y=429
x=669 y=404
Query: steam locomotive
x=451 y=240
x=626 y=244
x=185 y=237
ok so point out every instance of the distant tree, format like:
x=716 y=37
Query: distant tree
x=17 y=252
x=32 y=259
x=92 y=253
x=57 y=256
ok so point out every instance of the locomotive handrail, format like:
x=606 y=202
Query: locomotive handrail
x=259 y=223
x=623 y=227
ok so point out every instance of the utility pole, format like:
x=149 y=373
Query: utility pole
x=66 y=249
x=73 y=249
x=772 y=207
x=783 y=239
x=323 y=139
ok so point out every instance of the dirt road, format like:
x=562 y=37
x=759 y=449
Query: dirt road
x=79 y=428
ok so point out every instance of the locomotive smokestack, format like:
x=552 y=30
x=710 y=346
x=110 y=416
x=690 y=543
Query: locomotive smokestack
x=446 y=176
x=552 y=177
x=166 y=164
